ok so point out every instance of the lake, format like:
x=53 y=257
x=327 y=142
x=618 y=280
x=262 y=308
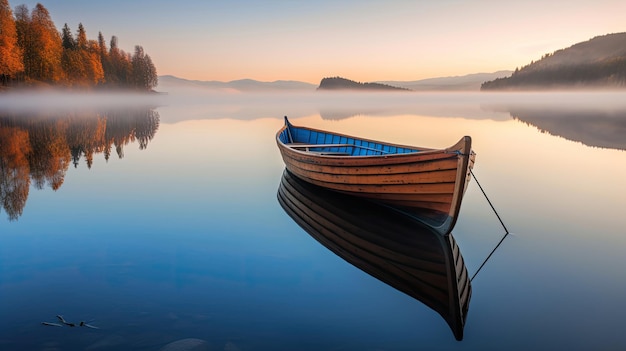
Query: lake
x=157 y=219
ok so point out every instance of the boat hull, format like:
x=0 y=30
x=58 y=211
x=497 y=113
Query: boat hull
x=427 y=183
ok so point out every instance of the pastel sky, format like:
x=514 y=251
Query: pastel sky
x=363 y=40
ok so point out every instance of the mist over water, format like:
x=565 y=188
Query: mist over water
x=55 y=101
x=595 y=118
x=332 y=105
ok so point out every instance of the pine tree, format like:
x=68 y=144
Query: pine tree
x=67 y=39
x=144 y=71
x=81 y=37
x=102 y=45
x=70 y=60
x=104 y=59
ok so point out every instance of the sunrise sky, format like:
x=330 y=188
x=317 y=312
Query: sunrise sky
x=363 y=40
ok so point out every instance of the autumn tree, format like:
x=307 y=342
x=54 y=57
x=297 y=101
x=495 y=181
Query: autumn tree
x=81 y=37
x=120 y=69
x=24 y=38
x=10 y=53
x=144 y=71
x=93 y=64
x=90 y=57
x=104 y=57
x=70 y=58
x=81 y=58
x=43 y=46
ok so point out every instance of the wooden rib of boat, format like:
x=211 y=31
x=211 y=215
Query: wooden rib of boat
x=391 y=246
x=427 y=183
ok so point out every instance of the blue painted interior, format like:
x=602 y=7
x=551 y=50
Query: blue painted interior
x=360 y=147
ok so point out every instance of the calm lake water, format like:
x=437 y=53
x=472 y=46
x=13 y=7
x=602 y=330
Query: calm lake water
x=162 y=223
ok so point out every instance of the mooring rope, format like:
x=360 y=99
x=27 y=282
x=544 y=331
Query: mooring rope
x=490 y=204
x=501 y=222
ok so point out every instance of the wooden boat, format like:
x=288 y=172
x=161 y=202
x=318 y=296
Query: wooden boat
x=427 y=183
x=391 y=246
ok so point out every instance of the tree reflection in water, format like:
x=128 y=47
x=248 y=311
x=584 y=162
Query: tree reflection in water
x=39 y=148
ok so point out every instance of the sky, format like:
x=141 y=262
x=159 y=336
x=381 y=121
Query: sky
x=362 y=40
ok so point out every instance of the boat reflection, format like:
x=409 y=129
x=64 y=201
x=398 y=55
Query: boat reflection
x=388 y=245
x=39 y=148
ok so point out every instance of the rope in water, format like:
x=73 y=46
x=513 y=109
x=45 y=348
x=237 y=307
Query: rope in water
x=501 y=222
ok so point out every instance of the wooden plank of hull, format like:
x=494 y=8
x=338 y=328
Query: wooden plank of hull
x=441 y=176
x=404 y=168
x=385 y=244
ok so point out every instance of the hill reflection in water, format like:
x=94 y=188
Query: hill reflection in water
x=388 y=245
x=39 y=148
x=603 y=129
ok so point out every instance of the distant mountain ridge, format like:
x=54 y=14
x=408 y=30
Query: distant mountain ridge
x=244 y=85
x=598 y=62
x=470 y=82
x=454 y=83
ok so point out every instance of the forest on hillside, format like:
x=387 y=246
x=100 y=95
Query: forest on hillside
x=34 y=52
x=610 y=73
x=596 y=63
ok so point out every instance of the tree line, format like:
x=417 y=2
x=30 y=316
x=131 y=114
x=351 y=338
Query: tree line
x=33 y=51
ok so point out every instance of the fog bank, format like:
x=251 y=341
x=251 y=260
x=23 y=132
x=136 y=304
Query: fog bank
x=202 y=104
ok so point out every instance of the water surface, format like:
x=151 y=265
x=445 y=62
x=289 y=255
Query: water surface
x=161 y=222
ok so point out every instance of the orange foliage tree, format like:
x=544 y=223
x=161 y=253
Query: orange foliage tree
x=46 y=47
x=10 y=53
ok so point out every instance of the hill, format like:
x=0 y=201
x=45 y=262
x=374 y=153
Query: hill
x=599 y=63
x=338 y=83
x=469 y=82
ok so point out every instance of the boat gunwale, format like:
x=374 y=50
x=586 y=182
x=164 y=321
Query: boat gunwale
x=454 y=149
